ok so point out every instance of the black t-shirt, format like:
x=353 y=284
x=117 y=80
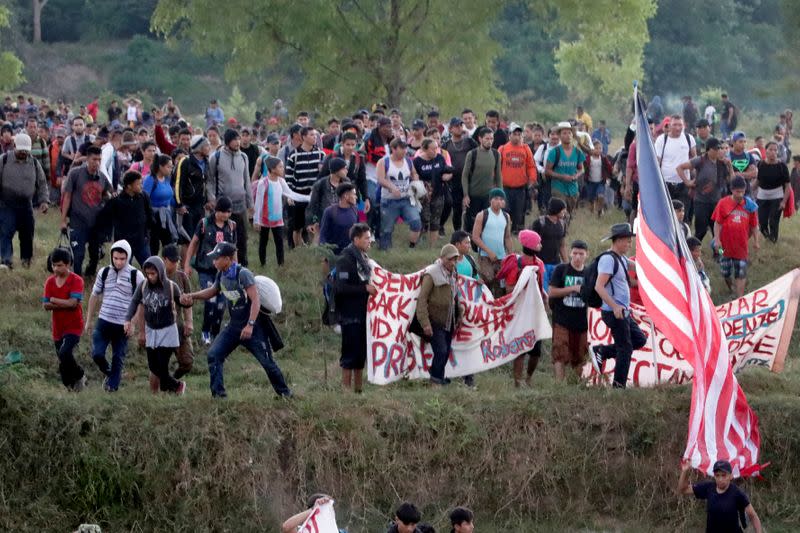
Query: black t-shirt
x=431 y=172
x=552 y=234
x=772 y=176
x=569 y=311
x=723 y=510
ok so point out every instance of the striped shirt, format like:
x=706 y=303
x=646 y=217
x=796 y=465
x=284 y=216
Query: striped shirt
x=302 y=169
x=117 y=293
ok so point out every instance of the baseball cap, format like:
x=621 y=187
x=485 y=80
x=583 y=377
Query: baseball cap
x=222 y=249
x=417 y=125
x=455 y=121
x=171 y=253
x=722 y=466
x=22 y=142
x=223 y=204
x=702 y=123
x=738 y=135
x=514 y=127
x=449 y=251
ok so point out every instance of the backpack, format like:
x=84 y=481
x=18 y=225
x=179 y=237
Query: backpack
x=104 y=275
x=486 y=217
x=543 y=220
x=588 y=292
x=473 y=265
x=474 y=153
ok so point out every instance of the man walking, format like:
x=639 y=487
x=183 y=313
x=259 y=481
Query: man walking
x=22 y=184
x=613 y=288
x=481 y=174
x=519 y=175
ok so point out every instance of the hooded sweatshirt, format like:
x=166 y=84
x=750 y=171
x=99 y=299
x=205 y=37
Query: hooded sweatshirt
x=160 y=301
x=117 y=288
x=22 y=183
x=228 y=176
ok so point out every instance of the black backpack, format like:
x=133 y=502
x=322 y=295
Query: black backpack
x=588 y=293
x=104 y=275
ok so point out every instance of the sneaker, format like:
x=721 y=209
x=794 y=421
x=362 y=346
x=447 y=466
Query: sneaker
x=597 y=359
x=337 y=329
x=438 y=381
x=6 y=266
x=206 y=335
x=181 y=388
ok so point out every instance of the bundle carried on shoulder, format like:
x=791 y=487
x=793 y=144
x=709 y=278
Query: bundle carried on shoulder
x=269 y=294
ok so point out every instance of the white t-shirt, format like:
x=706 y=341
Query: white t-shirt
x=399 y=175
x=709 y=113
x=132 y=113
x=675 y=153
x=595 y=169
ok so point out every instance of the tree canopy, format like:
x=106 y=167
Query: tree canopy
x=10 y=65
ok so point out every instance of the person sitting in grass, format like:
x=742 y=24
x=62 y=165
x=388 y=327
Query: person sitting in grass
x=63 y=292
x=462 y=520
x=727 y=505
x=406 y=518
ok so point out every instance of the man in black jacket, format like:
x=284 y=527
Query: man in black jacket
x=190 y=183
x=352 y=289
x=132 y=216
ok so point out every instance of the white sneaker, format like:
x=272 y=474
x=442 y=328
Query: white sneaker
x=337 y=329
x=181 y=389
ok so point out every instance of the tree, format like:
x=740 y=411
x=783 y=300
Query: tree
x=601 y=48
x=401 y=52
x=10 y=66
x=38 y=5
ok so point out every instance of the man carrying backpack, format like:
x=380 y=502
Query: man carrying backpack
x=481 y=174
x=610 y=270
x=115 y=284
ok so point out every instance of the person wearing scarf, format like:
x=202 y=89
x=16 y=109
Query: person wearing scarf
x=352 y=289
x=438 y=311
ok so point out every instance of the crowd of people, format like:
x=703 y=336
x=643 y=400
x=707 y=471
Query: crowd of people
x=178 y=198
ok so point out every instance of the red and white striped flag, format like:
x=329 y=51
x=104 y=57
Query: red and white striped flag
x=721 y=423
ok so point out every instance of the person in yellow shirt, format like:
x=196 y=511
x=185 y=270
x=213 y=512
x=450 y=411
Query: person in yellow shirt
x=584 y=117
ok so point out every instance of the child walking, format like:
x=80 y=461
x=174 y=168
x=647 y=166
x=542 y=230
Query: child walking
x=63 y=292
x=157 y=299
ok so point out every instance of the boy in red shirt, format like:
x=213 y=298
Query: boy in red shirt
x=734 y=225
x=510 y=270
x=63 y=292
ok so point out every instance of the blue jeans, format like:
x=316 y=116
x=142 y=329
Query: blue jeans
x=392 y=208
x=80 y=237
x=226 y=342
x=106 y=333
x=627 y=338
x=213 y=308
x=16 y=220
x=440 y=343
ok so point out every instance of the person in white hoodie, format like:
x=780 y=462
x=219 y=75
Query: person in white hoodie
x=114 y=287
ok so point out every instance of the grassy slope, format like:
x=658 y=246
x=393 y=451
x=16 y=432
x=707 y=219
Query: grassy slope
x=557 y=457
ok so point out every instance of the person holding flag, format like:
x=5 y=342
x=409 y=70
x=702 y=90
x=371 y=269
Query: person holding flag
x=722 y=426
x=319 y=517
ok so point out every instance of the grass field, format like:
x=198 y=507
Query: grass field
x=556 y=457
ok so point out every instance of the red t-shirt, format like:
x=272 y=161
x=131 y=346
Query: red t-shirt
x=736 y=222
x=65 y=321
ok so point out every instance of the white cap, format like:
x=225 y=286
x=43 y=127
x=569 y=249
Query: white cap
x=22 y=142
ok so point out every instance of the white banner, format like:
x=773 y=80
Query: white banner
x=491 y=333
x=758 y=328
x=321 y=520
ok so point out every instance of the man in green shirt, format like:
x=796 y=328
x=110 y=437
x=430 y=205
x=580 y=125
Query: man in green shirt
x=481 y=174
x=565 y=167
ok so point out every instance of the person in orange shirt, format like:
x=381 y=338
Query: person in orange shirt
x=518 y=170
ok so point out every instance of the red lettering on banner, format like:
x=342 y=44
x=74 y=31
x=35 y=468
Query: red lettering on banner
x=476 y=314
x=744 y=307
x=764 y=346
x=379 y=328
x=378 y=354
x=410 y=283
x=378 y=278
x=760 y=299
x=599 y=328
x=462 y=335
x=666 y=348
x=638 y=368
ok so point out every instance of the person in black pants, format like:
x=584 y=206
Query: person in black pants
x=612 y=287
x=352 y=289
x=773 y=192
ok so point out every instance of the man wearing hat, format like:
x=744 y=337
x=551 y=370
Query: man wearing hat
x=727 y=504
x=491 y=234
x=703 y=130
x=743 y=162
x=244 y=328
x=564 y=167
x=613 y=288
x=415 y=138
x=22 y=184
x=519 y=175
x=191 y=175
x=438 y=311
x=228 y=175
